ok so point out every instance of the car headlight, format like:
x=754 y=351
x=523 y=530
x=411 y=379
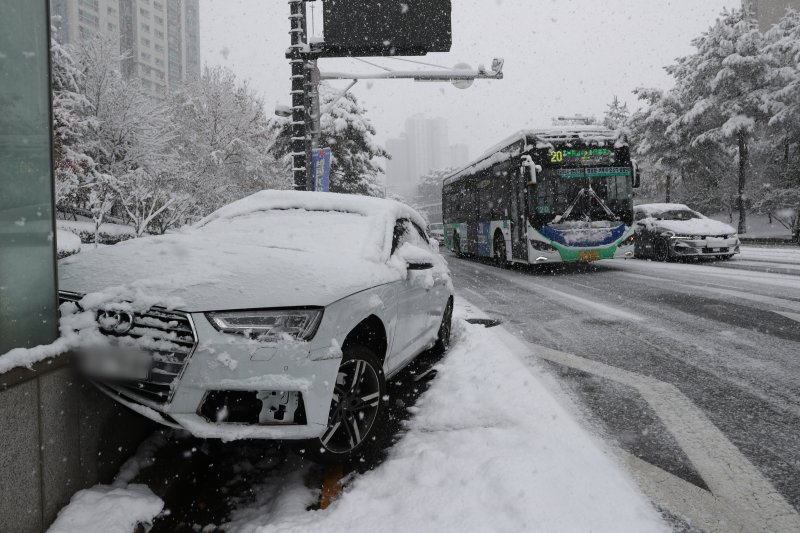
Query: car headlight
x=269 y=325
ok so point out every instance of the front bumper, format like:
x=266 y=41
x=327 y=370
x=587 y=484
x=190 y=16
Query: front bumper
x=227 y=364
x=708 y=247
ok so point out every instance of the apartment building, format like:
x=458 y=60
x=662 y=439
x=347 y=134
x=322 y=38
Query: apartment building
x=768 y=12
x=160 y=38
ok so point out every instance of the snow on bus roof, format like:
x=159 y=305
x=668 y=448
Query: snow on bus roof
x=543 y=137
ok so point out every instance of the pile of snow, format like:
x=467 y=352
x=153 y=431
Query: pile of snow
x=109 y=233
x=488 y=449
x=116 y=508
x=67 y=243
x=108 y=510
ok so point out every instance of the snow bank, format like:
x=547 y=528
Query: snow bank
x=489 y=449
x=105 y=509
x=67 y=243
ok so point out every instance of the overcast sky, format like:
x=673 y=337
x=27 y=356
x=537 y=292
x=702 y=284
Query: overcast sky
x=562 y=57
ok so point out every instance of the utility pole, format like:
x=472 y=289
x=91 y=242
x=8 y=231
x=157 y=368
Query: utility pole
x=300 y=154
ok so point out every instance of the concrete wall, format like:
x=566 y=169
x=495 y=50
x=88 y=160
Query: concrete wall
x=58 y=435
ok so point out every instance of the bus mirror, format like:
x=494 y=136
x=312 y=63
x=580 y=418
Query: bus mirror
x=528 y=170
x=637 y=177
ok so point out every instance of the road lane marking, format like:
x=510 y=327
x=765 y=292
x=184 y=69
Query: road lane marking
x=791 y=316
x=767 y=300
x=583 y=304
x=745 y=496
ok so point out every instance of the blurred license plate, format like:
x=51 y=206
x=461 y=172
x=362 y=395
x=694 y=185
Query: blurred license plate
x=116 y=363
x=587 y=257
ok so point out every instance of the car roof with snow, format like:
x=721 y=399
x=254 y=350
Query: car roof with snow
x=271 y=200
x=654 y=209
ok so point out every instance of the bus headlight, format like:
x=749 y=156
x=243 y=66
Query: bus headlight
x=628 y=242
x=542 y=246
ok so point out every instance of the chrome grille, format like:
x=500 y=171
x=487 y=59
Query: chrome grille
x=169 y=337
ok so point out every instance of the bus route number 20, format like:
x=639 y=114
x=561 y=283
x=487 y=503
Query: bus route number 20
x=557 y=157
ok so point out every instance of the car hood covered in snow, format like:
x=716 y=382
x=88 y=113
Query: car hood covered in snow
x=273 y=249
x=696 y=226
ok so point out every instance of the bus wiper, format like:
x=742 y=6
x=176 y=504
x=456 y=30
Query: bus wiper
x=585 y=192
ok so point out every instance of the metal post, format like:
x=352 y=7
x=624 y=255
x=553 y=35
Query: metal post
x=313 y=115
x=300 y=156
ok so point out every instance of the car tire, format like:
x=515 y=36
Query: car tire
x=661 y=250
x=445 y=329
x=357 y=416
x=499 y=253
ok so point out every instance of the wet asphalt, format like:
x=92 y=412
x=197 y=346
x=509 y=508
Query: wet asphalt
x=712 y=329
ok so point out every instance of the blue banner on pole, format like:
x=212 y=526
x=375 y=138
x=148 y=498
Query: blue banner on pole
x=321 y=168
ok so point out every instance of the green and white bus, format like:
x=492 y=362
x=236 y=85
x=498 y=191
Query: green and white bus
x=545 y=196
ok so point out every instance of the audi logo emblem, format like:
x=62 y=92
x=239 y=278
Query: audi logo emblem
x=116 y=322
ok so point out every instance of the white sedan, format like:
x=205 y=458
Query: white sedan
x=280 y=316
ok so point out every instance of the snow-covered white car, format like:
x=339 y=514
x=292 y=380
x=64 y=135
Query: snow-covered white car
x=669 y=231
x=280 y=316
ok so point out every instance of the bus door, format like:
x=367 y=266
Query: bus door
x=473 y=220
x=519 y=248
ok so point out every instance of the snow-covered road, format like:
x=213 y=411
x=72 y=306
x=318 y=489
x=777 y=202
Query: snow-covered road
x=658 y=354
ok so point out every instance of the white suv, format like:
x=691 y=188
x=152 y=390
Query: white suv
x=279 y=316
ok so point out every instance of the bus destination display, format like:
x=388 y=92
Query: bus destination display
x=582 y=156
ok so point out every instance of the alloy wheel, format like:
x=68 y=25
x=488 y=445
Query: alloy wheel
x=661 y=250
x=354 y=406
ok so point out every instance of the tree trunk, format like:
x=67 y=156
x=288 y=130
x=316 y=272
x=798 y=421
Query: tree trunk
x=669 y=188
x=743 y=161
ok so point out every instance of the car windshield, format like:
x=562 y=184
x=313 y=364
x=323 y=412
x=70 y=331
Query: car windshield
x=677 y=214
x=298 y=229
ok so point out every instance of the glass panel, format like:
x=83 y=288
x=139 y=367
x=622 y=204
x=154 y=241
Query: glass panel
x=27 y=252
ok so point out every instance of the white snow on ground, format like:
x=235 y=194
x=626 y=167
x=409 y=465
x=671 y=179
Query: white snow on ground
x=774 y=254
x=87 y=226
x=108 y=510
x=119 y=507
x=67 y=242
x=488 y=449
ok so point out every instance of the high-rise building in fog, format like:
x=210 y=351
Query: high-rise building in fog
x=459 y=155
x=161 y=38
x=422 y=148
x=768 y=12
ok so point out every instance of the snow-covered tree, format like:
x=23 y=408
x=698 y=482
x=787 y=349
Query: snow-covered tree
x=349 y=133
x=72 y=130
x=781 y=193
x=617 y=114
x=223 y=139
x=725 y=83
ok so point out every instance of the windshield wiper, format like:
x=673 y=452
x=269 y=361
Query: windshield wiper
x=586 y=192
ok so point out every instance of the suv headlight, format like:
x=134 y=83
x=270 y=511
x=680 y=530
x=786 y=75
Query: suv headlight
x=269 y=325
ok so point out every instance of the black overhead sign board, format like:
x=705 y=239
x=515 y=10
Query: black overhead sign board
x=386 y=27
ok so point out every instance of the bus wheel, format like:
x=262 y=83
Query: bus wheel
x=661 y=250
x=500 y=256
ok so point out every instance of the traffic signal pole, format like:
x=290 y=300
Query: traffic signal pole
x=305 y=111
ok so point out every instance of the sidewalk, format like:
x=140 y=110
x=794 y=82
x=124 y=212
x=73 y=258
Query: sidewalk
x=487 y=448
